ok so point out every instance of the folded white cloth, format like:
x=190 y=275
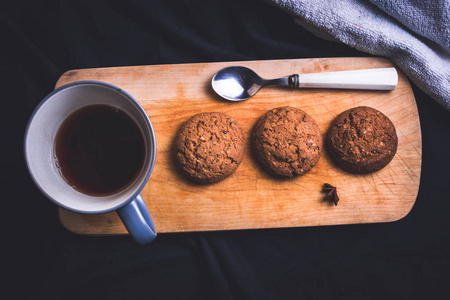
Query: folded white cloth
x=413 y=34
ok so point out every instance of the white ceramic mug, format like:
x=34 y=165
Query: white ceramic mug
x=39 y=154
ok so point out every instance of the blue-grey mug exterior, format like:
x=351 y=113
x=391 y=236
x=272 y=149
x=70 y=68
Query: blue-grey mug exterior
x=39 y=155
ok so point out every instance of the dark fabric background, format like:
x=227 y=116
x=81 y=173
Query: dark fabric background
x=406 y=259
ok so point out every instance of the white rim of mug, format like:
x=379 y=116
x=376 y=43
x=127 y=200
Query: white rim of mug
x=152 y=141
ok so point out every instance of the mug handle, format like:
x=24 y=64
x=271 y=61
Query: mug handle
x=136 y=218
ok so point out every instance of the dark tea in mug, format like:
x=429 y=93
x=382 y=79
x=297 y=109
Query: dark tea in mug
x=99 y=150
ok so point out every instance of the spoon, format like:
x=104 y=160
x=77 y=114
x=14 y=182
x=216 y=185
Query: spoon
x=237 y=83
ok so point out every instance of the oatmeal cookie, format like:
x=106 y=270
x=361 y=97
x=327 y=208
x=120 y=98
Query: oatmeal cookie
x=209 y=147
x=362 y=140
x=287 y=142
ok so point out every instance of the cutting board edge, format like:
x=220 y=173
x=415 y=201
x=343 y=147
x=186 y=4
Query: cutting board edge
x=395 y=218
x=69 y=73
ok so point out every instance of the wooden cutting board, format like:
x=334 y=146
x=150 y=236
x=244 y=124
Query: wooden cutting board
x=250 y=198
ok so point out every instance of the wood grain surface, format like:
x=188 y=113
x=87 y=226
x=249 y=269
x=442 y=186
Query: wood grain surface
x=250 y=198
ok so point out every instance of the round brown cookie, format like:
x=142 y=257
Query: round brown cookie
x=362 y=140
x=287 y=141
x=209 y=147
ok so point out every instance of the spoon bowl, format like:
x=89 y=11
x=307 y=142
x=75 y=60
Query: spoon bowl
x=236 y=83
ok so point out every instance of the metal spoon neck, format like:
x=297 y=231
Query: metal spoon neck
x=291 y=81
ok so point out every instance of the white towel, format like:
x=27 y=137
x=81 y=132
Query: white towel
x=413 y=34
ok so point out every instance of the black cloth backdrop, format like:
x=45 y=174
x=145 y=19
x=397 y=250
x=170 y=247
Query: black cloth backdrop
x=43 y=39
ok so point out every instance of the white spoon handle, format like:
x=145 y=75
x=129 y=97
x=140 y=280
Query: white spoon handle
x=370 y=79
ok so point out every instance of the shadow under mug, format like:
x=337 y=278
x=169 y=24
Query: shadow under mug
x=39 y=155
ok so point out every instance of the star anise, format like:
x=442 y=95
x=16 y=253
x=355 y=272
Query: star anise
x=331 y=193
